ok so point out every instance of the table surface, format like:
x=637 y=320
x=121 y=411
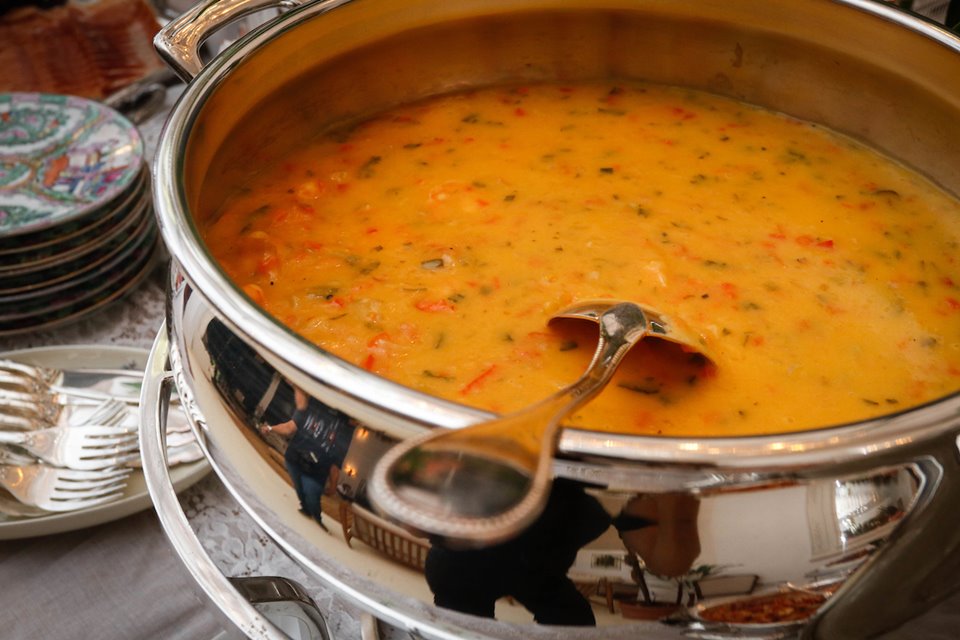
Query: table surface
x=123 y=579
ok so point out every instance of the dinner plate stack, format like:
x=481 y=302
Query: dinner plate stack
x=76 y=226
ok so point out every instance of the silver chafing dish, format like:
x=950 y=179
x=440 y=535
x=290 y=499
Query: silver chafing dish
x=861 y=515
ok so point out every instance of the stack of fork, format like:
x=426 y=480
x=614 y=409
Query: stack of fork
x=65 y=448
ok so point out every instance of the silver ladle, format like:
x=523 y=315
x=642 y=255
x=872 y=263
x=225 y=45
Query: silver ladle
x=485 y=483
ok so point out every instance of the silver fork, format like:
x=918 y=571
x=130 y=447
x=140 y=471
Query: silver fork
x=95 y=384
x=82 y=448
x=8 y=505
x=15 y=508
x=39 y=407
x=28 y=413
x=56 y=489
x=55 y=375
x=110 y=413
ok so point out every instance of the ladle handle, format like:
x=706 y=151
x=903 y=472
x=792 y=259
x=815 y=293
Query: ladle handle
x=178 y=43
x=535 y=428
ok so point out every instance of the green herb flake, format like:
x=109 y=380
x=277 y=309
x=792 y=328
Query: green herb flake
x=792 y=155
x=648 y=387
x=324 y=292
x=369 y=267
x=367 y=168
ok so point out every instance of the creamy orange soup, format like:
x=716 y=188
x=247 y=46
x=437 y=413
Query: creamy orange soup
x=432 y=244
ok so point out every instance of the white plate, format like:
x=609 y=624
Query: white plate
x=135 y=497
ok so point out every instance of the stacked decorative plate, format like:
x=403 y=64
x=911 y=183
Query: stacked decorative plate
x=76 y=226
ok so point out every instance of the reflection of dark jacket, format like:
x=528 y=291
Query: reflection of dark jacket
x=532 y=567
x=570 y=520
x=321 y=439
x=240 y=373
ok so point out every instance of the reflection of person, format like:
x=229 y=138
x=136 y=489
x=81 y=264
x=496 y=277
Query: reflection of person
x=314 y=451
x=532 y=568
x=662 y=530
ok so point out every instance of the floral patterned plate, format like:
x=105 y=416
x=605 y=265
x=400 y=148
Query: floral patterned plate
x=64 y=272
x=84 y=281
x=61 y=157
x=86 y=304
x=119 y=225
x=28 y=246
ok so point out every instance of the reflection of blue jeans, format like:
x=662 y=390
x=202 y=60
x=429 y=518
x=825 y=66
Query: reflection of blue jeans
x=309 y=489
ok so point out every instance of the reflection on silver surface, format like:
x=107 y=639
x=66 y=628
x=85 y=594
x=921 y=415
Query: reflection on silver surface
x=641 y=552
x=867 y=507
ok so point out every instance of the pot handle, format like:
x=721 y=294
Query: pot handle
x=286 y=603
x=178 y=43
x=269 y=608
x=919 y=566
